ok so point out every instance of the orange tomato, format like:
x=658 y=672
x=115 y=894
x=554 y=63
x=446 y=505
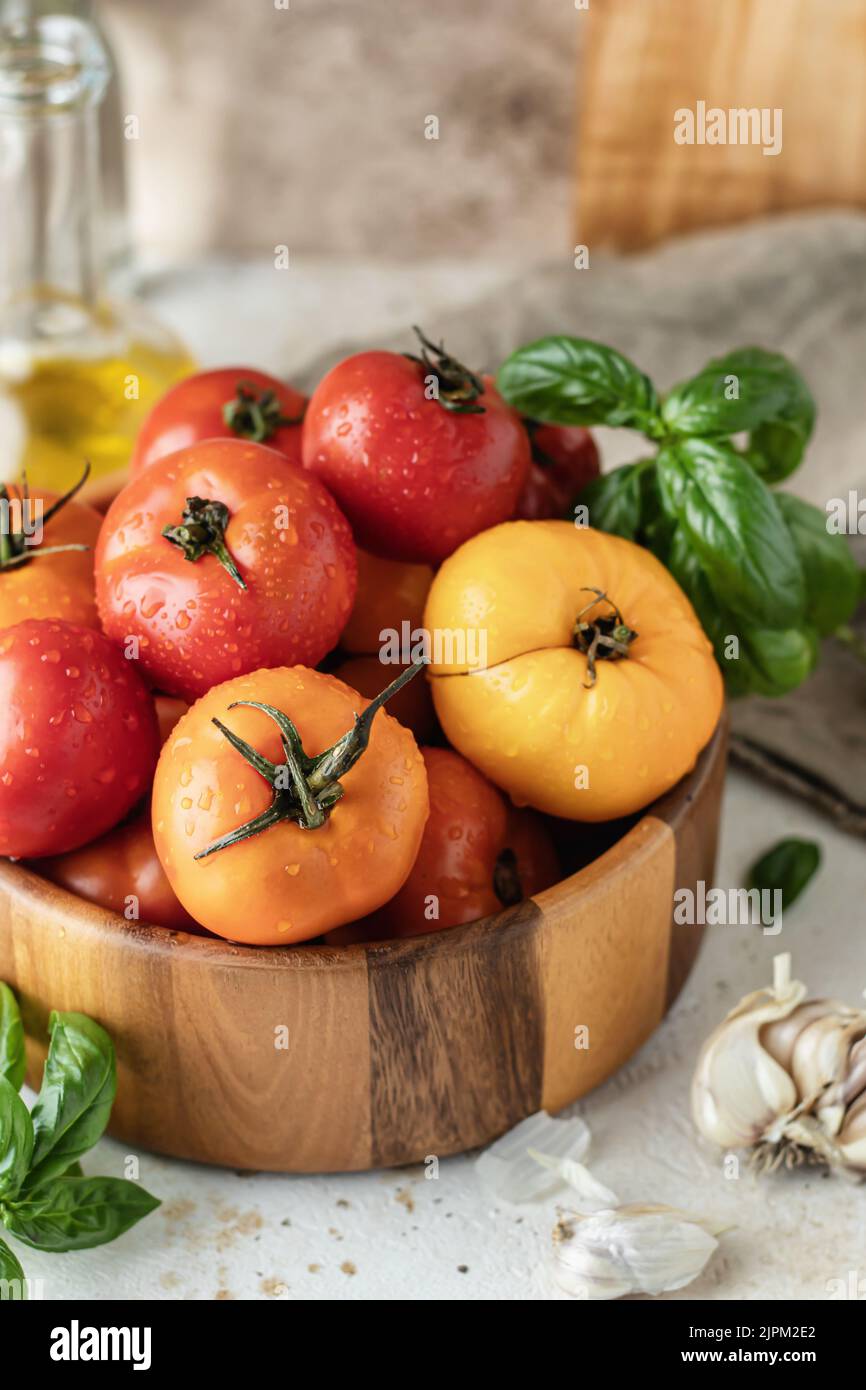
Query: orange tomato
x=478 y=854
x=121 y=872
x=307 y=843
x=50 y=585
x=595 y=688
x=389 y=593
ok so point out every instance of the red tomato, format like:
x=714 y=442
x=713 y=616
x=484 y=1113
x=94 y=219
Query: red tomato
x=564 y=460
x=231 y=402
x=415 y=476
x=78 y=738
x=258 y=569
x=478 y=854
x=121 y=872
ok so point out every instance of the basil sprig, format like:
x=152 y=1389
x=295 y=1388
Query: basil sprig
x=765 y=577
x=45 y=1199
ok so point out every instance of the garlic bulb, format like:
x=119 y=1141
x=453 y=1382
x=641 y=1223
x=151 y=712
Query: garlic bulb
x=782 y=1075
x=739 y=1089
x=631 y=1249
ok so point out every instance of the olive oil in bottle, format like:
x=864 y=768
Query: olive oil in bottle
x=78 y=372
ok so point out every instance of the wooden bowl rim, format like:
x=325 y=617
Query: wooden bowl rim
x=119 y=933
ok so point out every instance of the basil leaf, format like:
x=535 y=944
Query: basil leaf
x=832 y=577
x=16 y=1139
x=762 y=661
x=614 y=501
x=704 y=404
x=733 y=525
x=77 y=1094
x=777 y=447
x=788 y=866
x=772 y=661
x=772 y=401
x=13 y=1285
x=12 y=1060
x=77 y=1213
x=575 y=381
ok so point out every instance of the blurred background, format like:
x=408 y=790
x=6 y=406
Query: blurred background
x=306 y=125
x=295 y=177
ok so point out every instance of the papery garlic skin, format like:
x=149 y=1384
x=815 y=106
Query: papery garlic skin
x=508 y=1172
x=631 y=1249
x=594 y=1196
x=739 y=1089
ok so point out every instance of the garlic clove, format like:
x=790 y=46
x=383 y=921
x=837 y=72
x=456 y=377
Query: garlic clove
x=508 y=1172
x=819 y=1062
x=594 y=1196
x=851 y=1140
x=639 y=1248
x=851 y=1084
x=739 y=1089
x=778 y=1038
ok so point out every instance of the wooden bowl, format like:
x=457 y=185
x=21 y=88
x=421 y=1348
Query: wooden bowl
x=317 y=1059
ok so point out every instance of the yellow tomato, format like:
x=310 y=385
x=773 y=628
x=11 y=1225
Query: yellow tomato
x=538 y=699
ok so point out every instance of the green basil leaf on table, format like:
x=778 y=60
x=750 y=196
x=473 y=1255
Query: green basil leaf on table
x=77 y=1094
x=77 y=1213
x=16 y=1140
x=732 y=523
x=12 y=1285
x=788 y=866
x=576 y=381
x=832 y=577
x=12 y=1060
x=614 y=501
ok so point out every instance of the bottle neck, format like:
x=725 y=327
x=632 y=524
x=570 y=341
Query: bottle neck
x=52 y=78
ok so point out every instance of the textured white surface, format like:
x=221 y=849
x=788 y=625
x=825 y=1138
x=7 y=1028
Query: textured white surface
x=398 y=1235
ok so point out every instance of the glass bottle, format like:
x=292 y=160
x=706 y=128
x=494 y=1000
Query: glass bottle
x=78 y=372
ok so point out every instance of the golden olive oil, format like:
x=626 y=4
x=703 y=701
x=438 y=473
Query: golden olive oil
x=62 y=410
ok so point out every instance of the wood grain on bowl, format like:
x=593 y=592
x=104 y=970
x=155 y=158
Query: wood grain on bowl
x=396 y=1051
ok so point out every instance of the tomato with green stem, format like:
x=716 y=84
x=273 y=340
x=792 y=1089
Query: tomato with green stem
x=286 y=782
x=220 y=559
x=47 y=544
x=419 y=451
x=228 y=402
